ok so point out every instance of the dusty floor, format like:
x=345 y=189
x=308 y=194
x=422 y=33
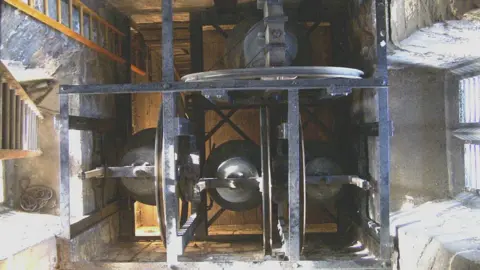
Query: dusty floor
x=242 y=250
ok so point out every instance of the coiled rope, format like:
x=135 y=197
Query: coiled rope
x=34 y=198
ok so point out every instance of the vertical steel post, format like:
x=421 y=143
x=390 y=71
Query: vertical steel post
x=294 y=168
x=381 y=72
x=381 y=75
x=64 y=198
x=167 y=159
x=196 y=59
x=196 y=42
x=266 y=180
x=384 y=171
x=123 y=105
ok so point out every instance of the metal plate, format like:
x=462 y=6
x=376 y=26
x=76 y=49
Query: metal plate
x=286 y=73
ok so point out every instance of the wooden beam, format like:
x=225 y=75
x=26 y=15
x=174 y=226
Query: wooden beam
x=138 y=71
x=93 y=219
x=6 y=154
x=90 y=35
x=105 y=37
x=81 y=22
x=45 y=7
x=59 y=10
x=177 y=75
x=70 y=14
x=176 y=43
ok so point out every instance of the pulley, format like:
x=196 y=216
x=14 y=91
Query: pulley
x=140 y=151
x=235 y=159
x=321 y=191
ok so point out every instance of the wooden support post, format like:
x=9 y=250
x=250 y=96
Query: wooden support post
x=31 y=3
x=70 y=14
x=81 y=21
x=106 y=37
x=59 y=11
x=90 y=35
x=45 y=7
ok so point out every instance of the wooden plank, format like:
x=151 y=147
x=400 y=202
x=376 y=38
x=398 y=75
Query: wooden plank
x=106 y=37
x=138 y=70
x=70 y=14
x=81 y=22
x=31 y=2
x=45 y=7
x=93 y=219
x=90 y=35
x=6 y=154
x=18 y=123
x=59 y=10
x=78 y=3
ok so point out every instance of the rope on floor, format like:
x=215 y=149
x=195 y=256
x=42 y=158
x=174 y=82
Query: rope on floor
x=37 y=197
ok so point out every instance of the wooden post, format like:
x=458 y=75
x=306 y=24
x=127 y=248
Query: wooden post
x=70 y=14
x=45 y=6
x=81 y=21
x=59 y=11
x=90 y=35
x=106 y=37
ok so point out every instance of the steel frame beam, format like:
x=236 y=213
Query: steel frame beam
x=176 y=238
x=294 y=170
x=230 y=85
x=266 y=184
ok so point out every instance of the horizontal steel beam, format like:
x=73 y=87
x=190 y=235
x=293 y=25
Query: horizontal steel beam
x=339 y=180
x=229 y=85
x=252 y=182
x=119 y=172
x=87 y=123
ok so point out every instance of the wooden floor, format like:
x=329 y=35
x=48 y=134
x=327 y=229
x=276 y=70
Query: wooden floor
x=247 y=251
x=245 y=229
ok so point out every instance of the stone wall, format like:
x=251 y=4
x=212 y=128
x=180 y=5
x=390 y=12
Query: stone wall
x=35 y=45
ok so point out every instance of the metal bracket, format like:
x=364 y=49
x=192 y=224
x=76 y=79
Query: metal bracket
x=183 y=127
x=340 y=180
x=282 y=131
x=334 y=90
x=119 y=172
x=251 y=182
